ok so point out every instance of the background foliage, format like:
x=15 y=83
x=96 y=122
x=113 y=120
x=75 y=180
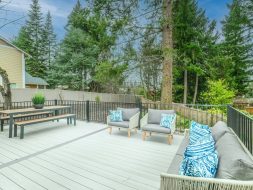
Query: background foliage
x=110 y=44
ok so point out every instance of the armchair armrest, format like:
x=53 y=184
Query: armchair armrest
x=144 y=120
x=134 y=121
x=173 y=126
x=186 y=132
x=108 y=119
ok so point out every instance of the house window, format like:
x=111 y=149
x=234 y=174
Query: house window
x=13 y=85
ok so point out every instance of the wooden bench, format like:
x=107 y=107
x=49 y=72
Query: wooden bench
x=69 y=118
x=23 y=116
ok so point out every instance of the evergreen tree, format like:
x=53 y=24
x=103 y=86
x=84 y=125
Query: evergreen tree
x=34 y=28
x=238 y=46
x=23 y=40
x=193 y=36
x=30 y=40
x=49 y=41
x=91 y=34
x=150 y=64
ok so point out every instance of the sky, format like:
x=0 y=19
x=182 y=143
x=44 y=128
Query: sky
x=60 y=9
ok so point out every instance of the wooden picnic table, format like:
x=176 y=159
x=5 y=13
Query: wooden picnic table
x=13 y=112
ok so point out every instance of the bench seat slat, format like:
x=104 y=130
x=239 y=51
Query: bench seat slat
x=29 y=122
x=25 y=115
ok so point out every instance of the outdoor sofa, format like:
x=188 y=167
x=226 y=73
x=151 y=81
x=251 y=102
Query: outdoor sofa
x=151 y=123
x=235 y=169
x=130 y=121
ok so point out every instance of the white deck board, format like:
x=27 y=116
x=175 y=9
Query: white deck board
x=56 y=156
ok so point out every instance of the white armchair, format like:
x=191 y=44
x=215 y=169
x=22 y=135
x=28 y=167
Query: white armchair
x=130 y=120
x=151 y=123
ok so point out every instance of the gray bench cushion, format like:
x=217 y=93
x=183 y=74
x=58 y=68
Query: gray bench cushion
x=156 y=128
x=219 y=129
x=127 y=113
x=154 y=116
x=234 y=163
x=183 y=146
x=175 y=165
x=124 y=124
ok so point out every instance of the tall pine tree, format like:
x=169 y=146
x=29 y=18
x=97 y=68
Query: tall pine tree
x=92 y=32
x=193 y=36
x=238 y=46
x=38 y=40
x=49 y=41
x=34 y=29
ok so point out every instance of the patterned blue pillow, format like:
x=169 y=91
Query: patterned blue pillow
x=167 y=120
x=198 y=130
x=115 y=115
x=200 y=159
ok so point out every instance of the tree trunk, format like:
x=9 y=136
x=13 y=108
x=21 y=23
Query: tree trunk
x=185 y=86
x=166 y=95
x=196 y=89
x=5 y=89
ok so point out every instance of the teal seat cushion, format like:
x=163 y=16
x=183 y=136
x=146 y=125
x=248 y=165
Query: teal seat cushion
x=197 y=131
x=200 y=158
x=156 y=128
x=167 y=120
x=115 y=115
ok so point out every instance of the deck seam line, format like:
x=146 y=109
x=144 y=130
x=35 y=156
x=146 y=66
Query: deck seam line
x=12 y=180
x=43 y=176
x=48 y=149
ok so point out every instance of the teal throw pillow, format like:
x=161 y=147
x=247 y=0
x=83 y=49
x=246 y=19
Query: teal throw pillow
x=167 y=120
x=115 y=115
x=200 y=159
x=198 y=130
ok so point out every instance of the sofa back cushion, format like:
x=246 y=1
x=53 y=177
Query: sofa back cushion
x=127 y=113
x=234 y=162
x=154 y=116
x=219 y=129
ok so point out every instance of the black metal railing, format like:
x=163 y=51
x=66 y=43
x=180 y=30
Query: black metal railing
x=98 y=111
x=242 y=125
x=240 y=122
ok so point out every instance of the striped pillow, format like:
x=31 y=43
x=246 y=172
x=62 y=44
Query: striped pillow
x=198 y=130
x=200 y=159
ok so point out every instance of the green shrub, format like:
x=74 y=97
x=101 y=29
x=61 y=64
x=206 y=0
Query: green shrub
x=97 y=99
x=38 y=98
x=218 y=93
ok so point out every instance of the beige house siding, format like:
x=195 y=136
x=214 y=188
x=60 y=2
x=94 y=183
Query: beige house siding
x=3 y=43
x=11 y=61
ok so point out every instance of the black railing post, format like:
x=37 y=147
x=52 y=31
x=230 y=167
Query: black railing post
x=228 y=115
x=88 y=110
x=140 y=107
x=55 y=102
x=56 y=111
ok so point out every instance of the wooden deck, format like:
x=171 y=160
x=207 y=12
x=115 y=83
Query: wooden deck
x=56 y=156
